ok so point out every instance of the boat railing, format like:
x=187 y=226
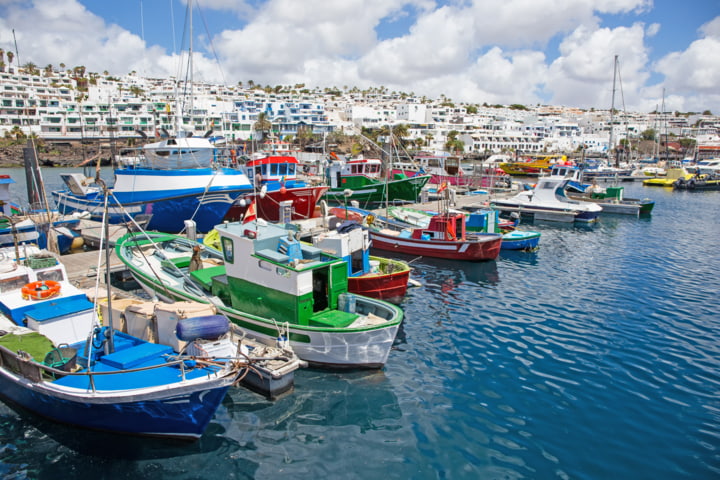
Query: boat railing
x=25 y=365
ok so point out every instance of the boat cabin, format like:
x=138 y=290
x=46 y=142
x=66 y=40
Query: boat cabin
x=36 y=294
x=363 y=167
x=279 y=277
x=350 y=243
x=181 y=152
x=447 y=227
x=272 y=170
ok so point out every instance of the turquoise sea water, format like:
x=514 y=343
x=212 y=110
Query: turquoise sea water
x=598 y=356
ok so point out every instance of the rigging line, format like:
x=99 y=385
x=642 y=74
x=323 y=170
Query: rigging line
x=200 y=200
x=212 y=46
x=142 y=36
x=94 y=322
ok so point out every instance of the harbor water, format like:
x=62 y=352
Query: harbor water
x=595 y=357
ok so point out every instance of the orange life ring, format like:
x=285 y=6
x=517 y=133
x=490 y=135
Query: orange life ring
x=40 y=290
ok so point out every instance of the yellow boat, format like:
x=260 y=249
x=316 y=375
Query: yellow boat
x=532 y=165
x=671 y=175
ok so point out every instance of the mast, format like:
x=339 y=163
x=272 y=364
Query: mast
x=190 y=66
x=611 y=146
x=664 y=120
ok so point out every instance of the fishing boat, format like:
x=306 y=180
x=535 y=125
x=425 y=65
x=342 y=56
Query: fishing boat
x=60 y=362
x=444 y=237
x=361 y=179
x=271 y=285
x=549 y=200
x=272 y=366
x=175 y=179
x=276 y=188
x=167 y=195
x=611 y=199
x=480 y=221
x=41 y=228
x=368 y=275
x=441 y=168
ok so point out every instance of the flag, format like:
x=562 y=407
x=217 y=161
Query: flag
x=250 y=213
x=443 y=186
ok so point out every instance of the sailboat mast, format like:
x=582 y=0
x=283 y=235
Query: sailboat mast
x=611 y=147
x=192 y=84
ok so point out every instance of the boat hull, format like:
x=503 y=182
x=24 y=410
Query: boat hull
x=519 y=240
x=547 y=213
x=171 y=196
x=626 y=206
x=304 y=200
x=185 y=414
x=390 y=287
x=317 y=346
x=485 y=249
x=439 y=178
x=368 y=190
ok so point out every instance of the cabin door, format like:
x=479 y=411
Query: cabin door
x=320 y=289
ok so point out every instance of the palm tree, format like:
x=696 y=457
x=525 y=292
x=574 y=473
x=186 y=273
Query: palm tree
x=262 y=124
x=304 y=135
x=31 y=69
x=49 y=70
x=10 y=56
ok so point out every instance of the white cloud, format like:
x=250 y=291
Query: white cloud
x=694 y=74
x=711 y=28
x=583 y=74
x=474 y=50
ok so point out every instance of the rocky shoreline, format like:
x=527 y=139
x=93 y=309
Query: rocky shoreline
x=55 y=155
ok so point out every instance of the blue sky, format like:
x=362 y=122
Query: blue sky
x=474 y=51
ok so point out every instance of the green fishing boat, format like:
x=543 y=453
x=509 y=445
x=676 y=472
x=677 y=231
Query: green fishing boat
x=362 y=180
x=270 y=284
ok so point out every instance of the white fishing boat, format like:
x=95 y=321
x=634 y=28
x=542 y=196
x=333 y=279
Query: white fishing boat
x=549 y=201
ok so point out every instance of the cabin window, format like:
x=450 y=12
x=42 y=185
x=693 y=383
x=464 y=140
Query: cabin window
x=274 y=169
x=55 y=275
x=282 y=169
x=14 y=283
x=228 y=251
x=291 y=169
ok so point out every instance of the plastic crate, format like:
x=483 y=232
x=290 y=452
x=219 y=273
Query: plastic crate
x=37 y=261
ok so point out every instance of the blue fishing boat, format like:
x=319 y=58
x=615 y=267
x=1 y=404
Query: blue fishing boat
x=169 y=192
x=175 y=179
x=36 y=228
x=58 y=361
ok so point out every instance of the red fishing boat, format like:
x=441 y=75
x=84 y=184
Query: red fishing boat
x=369 y=276
x=275 y=181
x=444 y=237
